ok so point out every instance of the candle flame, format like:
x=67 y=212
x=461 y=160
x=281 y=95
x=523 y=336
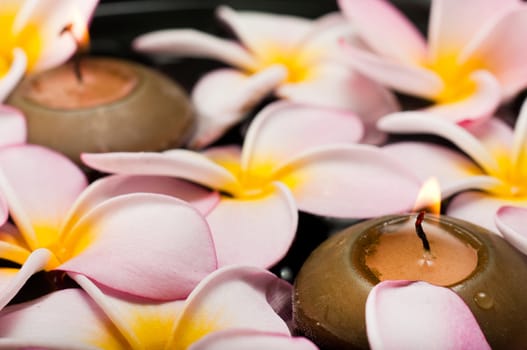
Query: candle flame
x=429 y=197
x=78 y=29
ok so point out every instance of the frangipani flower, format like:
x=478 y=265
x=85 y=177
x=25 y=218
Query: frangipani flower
x=233 y=308
x=290 y=56
x=418 y=315
x=143 y=244
x=294 y=157
x=31 y=36
x=512 y=223
x=474 y=58
x=496 y=170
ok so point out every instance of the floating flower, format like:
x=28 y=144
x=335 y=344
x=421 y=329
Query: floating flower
x=31 y=36
x=138 y=243
x=294 y=157
x=290 y=56
x=418 y=315
x=495 y=175
x=511 y=222
x=473 y=60
x=233 y=308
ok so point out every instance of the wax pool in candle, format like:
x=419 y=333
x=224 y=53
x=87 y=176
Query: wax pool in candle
x=114 y=105
x=333 y=284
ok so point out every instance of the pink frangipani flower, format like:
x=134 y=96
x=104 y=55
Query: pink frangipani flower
x=291 y=57
x=418 y=315
x=512 y=224
x=474 y=58
x=294 y=157
x=493 y=175
x=233 y=308
x=137 y=243
x=32 y=39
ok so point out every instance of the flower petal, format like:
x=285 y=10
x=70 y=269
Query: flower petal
x=453 y=24
x=14 y=75
x=242 y=339
x=385 y=29
x=501 y=49
x=14 y=279
x=283 y=130
x=339 y=86
x=519 y=154
x=511 y=222
x=231 y=298
x=349 y=181
x=177 y=163
x=412 y=80
x=12 y=126
x=40 y=186
x=480 y=104
x=218 y=108
x=12 y=245
x=422 y=122
x=480 y=208
x=138 y=244
x=261 y=32
x=66 y=319
x=406 y=315
x=183 y=42
x=256 y=231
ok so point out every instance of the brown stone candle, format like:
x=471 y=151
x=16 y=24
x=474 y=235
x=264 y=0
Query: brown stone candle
x=487 y=273
x=113 y=105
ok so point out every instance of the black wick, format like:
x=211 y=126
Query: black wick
x=68 y=29
x=420 y=232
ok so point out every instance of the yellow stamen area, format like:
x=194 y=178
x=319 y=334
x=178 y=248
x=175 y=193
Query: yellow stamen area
x=456 y=78
x=192 y=329
x=28 y=38
x=152 y=331
x=514 y=179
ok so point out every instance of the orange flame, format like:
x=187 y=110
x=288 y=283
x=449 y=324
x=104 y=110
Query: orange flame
x=78 y=29
x=429 y=197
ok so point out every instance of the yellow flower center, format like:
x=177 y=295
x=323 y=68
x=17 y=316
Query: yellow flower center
x=513 y=177
x=28 y=39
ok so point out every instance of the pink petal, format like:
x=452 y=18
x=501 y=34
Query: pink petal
x=188 y=42
x=234 y=298
x=520 y=138
x=512 y=223
x=248 y=339
x=405 y=78
x=418 y=315
x=422 y=122
x=177 y=163
x=18 y=67
x=13 y=280
x=481 y=104
x=453 y=24
x=218 y=108
x=385 y=29
x=66 y=319
x=12 y=126
x=350 y=181
x=40 y=186
x=501 y=49
x=142 y=244
x=495 y=135
x=260 y=31
x=256 y=231
x=338 y=86
x=283 y=130
x=115 y=185
x=480 y=208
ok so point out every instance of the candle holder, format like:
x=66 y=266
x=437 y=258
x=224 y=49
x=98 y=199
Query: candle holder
x=333 y=284
x=114 y=105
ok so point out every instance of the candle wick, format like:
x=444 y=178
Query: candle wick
x=420 y=232
x=68 y=29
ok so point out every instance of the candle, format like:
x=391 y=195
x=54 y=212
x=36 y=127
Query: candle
x=333 y=284
x=106 y=105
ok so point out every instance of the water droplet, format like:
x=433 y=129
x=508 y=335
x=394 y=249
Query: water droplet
x=483 y=300
x=286 y=274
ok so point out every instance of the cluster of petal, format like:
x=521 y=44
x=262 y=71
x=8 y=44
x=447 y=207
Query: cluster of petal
x=491 y=174
x=292 y=57
x=418 y=315
x=32 y=39
x=472 y=61
x=233 y=308
x=294 y=157
x=125 y=240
